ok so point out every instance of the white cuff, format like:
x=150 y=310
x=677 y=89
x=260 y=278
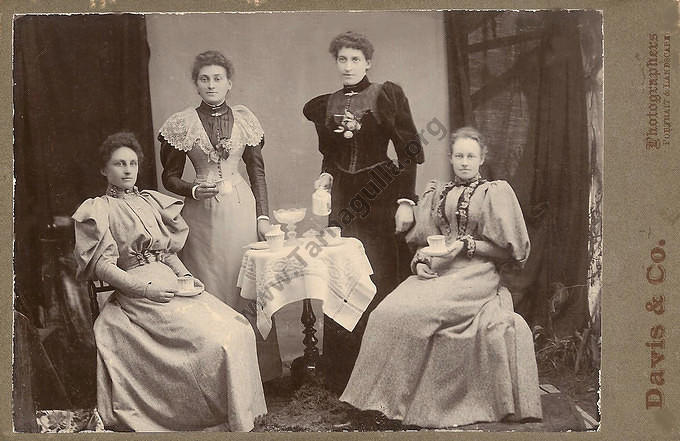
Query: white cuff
x=193 y=191
x=263 y=216
x=406 y=201
x=327 y=174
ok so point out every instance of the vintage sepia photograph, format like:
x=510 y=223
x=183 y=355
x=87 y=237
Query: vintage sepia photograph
x=309 y=221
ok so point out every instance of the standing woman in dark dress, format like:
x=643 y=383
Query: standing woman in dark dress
x=371 y=195
x=224 y=213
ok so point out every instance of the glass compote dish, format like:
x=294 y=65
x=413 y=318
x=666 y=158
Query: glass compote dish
x=290 y=217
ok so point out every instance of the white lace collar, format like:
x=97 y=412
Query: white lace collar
x=184 y=131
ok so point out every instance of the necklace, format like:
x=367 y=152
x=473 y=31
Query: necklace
x=119 y=192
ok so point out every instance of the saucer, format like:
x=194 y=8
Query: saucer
x=429 y=251
x=262 y=245
x=194 y=292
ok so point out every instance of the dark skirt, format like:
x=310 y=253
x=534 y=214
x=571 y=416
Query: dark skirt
x=363 y=206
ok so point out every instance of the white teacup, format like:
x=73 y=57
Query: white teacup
x=437 y=242
x=185 y=283
x=275 y=238
x=332 y=234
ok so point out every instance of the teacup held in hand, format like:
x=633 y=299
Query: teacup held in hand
x=185 y=283
x=437 y=242
x=186 y=287
x=437 y=246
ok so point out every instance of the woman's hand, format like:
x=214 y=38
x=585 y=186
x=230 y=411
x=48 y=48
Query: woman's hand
x=159 y=293
x=404 y=219
x=324 y=181
x=263 y=225
x=205 y=190
x=199 y=284
x=424 y=272
x=454 y=249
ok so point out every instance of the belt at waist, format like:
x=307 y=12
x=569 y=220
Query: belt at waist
x=387 y=162
x=140 y=258
x=224 y=183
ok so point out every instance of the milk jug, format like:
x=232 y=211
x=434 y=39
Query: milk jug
x=321 y=202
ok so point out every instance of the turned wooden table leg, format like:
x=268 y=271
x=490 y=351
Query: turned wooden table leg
x=305 y=368
x=308 y=319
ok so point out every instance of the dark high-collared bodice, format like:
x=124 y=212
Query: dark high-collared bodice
x=384 y=115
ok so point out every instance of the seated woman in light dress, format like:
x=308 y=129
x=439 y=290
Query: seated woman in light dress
x=445 y=348
x=165 y=362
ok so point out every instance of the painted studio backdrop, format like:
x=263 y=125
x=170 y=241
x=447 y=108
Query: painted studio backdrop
x=530 y=81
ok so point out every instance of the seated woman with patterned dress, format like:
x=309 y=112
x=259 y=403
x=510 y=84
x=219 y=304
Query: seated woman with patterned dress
x=446 y=348
x=165 y=362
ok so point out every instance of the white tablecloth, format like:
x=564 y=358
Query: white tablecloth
x=338 y=275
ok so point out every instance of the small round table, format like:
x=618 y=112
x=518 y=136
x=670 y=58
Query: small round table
x=338 y=274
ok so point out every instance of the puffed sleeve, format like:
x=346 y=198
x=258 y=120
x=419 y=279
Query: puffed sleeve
x=170 y=210
x=315 y=111
x=395 y=113
x=173 y=161
x=96 y=251
x=93 y=237
x=425 y=216
x=502 y=221
x=252 y=156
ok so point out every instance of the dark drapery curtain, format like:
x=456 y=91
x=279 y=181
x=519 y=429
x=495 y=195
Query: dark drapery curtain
x=78 y=79
x=518 y=77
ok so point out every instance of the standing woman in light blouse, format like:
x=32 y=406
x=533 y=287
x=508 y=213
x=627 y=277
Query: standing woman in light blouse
x=224 y=213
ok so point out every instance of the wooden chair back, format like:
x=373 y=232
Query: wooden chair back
x=95 y=287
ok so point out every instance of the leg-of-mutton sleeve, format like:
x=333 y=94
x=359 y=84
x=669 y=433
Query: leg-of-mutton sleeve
x=327 y=163
x=315 y=111
x=252 y=156
x=173 y=161
x=502 y=221
x=396 y=114
x=96 y=252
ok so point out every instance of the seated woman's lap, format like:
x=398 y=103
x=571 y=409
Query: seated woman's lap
x=201 y=319
x=448 y=300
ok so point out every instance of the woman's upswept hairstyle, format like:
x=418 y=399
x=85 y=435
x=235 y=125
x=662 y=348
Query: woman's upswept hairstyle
x=353 y=40
x=471 y=133
x=211 y=58
x=116 y=141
